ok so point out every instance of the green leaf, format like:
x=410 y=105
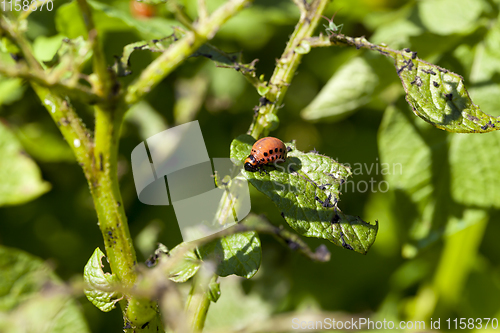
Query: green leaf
x=184 y=268
x=45 y=48
x=187 y=267
x=71 y=55
x=100 y=289
x=460 y=253
x=486 y=57
x=11 y=90
x=406 y=155
x=288 y=238
x=190 y=94
x=435 y=94
x=69 y=22
x=8 y=46
x=475 y=172
x=109 y=18
x=241 y=308
x=445 y=17
x=20 y=179
x=348 y=89
x=122 y=64
x=147 y=119
x=238 y=254
x=486 y=95
x=32 y=297
x=306 y=189
x=396 y=33
x=44 y=145
x=240 y=148
x=439 y=96
x=407 y=168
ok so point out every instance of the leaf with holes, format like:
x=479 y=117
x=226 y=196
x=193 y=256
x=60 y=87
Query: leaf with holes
x=439 y=96
x=100 y=289
x=306 y=188
x=238 y=254
x=435 y=94
x=219 y=57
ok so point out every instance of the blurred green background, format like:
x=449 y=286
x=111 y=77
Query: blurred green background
x=437 y=252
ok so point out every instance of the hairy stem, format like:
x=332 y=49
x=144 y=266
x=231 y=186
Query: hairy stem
x=181 y=49
x=287 y=66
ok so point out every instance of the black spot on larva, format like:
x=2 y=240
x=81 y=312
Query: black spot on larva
x=435 y=84
x=281 y=150
x=270 y=151
x=275 y=150
x=449 y=96
x=262 y=159
x=265 y=154
x=267 y=159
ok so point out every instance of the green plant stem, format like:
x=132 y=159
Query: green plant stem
x=105 y=81
x=70 y=125
x=199 y=301
x=11 y=30
x=98 y=159
x=181 y=49
x=198 y=305
x=287 y=66
x=107 y=198
x=77 y=91
x=139 y=313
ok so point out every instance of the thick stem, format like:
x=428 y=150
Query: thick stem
x=107 y=198
x=287 y=66
x=139 y=314
x=180 y=50
x=70 y=125
x=198 y=301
